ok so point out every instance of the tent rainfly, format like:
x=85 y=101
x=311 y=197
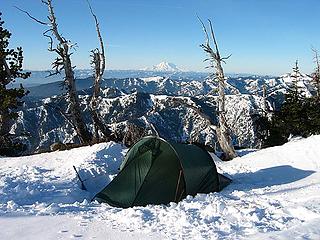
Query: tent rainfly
x=155 y=171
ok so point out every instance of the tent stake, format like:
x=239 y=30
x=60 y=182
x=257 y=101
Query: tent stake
x=83 y=187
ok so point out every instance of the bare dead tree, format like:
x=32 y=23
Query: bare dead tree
x=215 y=62
x=63 y=63
x=265 y=101
x=316 y=74
x=99 y=63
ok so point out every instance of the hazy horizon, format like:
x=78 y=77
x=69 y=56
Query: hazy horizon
x=264 y=38
x=185 y=71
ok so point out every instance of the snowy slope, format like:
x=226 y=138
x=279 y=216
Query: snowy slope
x=275 y=194
x=45 y=124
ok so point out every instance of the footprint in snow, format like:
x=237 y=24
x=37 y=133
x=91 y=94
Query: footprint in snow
x=63 y=231
x=83 y=223
x=76 y=236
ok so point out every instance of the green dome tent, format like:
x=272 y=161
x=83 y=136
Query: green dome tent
x=155 y=171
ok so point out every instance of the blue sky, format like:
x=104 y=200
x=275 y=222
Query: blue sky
x=263 y=36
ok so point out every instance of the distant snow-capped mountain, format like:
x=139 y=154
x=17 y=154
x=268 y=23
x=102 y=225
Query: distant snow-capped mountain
x=164 y=67
x=185 y=85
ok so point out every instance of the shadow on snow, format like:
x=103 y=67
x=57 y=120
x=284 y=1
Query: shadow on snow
x=269 y=177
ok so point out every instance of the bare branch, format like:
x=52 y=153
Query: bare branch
x=102 y=54
x=214 y=39
x=176 y=102
x=53 y=22
x=50 y=74
x=50 y=49
x=30 y=16
x=62 y=112
x=197 y=109
x=98 y=62
x=206 y=33
x=226 y=58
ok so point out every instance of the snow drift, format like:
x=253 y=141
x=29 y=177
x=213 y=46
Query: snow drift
x=275 y=194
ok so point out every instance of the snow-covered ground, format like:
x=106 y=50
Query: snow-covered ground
x=275 y=194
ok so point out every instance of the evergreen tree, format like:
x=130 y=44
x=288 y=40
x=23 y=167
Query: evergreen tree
x=298 y=116
x=294 y=91
x=10 y=99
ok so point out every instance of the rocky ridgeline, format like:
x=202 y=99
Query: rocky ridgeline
x=44 y=122
x=148 y=105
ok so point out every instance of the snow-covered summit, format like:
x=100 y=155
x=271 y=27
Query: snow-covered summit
x=164 y=67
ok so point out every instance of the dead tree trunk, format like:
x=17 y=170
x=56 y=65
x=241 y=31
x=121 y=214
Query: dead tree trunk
x=316 y=74
x=223 y=132
x=63 y=63
x=265 y=103
x=99 y=63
